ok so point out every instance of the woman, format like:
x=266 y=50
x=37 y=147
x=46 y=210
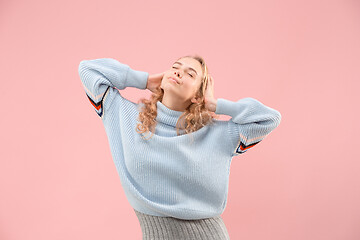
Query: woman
x=177 y=179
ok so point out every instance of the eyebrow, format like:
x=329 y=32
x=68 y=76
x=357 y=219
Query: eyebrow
x=188 y=68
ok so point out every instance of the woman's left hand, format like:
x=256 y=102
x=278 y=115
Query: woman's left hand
x=210 y=101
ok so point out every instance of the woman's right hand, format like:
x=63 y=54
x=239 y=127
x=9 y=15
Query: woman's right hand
x=154 y=80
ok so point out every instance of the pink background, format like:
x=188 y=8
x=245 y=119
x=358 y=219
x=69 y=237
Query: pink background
x=57 y=177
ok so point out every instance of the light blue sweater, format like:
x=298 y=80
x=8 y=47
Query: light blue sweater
x=170 y=175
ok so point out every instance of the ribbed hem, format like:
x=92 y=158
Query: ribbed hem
x=154 y=227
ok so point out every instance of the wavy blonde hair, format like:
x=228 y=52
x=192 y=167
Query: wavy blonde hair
x=195 y=116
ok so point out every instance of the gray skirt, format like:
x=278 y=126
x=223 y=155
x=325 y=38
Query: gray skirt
x=169 y=228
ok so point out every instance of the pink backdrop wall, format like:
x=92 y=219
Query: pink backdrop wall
x=57 y=178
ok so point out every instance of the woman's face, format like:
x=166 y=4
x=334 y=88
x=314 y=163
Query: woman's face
x=183 y=79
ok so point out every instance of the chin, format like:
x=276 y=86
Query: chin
x=173 y=93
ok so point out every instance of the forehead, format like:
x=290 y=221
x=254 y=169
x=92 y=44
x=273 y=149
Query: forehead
x=189 y=63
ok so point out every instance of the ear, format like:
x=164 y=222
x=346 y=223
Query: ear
x=193 y=100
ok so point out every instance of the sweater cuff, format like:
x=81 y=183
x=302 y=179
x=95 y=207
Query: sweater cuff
x=137 y=79
x=224 y=106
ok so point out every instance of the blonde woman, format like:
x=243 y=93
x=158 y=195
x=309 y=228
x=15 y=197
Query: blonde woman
x=171 y=152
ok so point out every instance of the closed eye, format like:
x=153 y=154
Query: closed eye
x=189 y=73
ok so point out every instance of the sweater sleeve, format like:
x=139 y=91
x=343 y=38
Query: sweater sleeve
x=102 y=77
x=251 y=121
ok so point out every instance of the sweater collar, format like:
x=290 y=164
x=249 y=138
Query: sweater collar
x=167 y=115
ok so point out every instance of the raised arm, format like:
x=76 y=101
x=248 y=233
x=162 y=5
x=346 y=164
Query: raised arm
x=251 y=121
x=101 y=77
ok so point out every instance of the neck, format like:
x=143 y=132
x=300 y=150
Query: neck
x=175 y=103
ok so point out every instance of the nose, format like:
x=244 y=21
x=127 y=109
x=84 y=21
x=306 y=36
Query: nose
x=177 y=73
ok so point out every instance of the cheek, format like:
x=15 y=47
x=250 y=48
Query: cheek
x=190 y=87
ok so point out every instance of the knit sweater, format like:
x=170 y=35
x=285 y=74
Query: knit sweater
x=171 y=175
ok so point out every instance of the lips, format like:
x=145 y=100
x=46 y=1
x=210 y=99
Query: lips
x=177 y=81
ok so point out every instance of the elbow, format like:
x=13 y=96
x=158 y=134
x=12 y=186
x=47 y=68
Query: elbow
x=82 y=67
x=82 y=63
x=272 y=123
x=276 y=119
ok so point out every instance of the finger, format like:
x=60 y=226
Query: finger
x=210 y=81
